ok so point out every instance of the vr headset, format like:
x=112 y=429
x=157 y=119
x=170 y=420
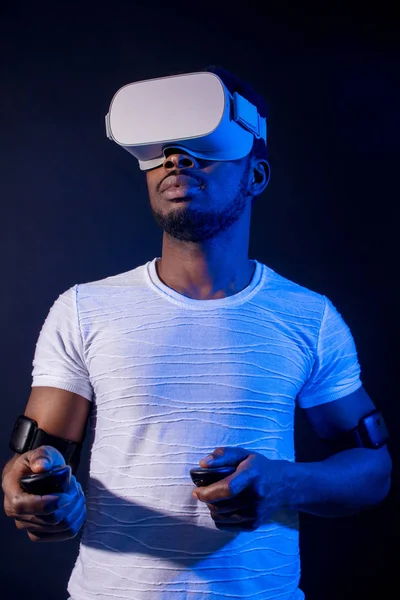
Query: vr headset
x=194 y=112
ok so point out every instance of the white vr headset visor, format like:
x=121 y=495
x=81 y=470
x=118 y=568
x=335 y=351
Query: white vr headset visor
x=194 y=112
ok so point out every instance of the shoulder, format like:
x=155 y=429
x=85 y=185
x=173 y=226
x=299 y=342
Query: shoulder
x=289 y=296
x=107 y=288
x=127 y=278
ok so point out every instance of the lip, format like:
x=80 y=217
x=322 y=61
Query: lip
x=178 y=181
x=181 y=193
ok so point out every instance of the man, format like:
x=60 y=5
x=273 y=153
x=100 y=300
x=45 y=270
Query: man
x=197 y=357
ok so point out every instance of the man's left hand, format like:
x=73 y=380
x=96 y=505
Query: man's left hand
x=248 y=497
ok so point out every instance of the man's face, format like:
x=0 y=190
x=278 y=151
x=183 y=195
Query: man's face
x=194 y=199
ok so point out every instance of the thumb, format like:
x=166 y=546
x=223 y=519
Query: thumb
x=225 y=456
x=44 y=458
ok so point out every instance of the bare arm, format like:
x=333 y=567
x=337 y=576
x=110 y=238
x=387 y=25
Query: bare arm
x=343 y=484
x=349 y=480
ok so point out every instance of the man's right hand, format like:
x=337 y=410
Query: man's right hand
x=49 y=518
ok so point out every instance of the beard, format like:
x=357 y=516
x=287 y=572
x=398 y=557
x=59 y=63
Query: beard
x=195 y=225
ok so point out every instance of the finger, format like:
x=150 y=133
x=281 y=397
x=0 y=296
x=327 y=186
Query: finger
x=225 y=456
x=227 y=506
x=31 y=504
x=66 y=502
x=34 y=461
x=44 y=458
x=241 y=482
x=216 y=509
x=67 y=509
x=62 y=523
x=245 y=498
x=227 y=488
x=246 y=513
x=56 y=507
x=214 y=492
x=60 y=535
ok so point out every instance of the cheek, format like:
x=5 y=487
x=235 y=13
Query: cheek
x=226 y=183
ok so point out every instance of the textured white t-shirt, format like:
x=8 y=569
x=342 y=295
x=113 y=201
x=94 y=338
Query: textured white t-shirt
x=172 y=378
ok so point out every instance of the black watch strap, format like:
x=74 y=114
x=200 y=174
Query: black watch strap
x=68 y=449
x=345 y=441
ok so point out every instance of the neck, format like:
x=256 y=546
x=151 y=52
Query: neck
x=204 y=273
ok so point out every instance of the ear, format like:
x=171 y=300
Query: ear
x=260 y=174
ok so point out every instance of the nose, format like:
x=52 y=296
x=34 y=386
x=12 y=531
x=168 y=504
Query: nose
x=176 y=158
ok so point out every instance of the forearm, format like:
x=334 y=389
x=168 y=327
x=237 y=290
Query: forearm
x=340 y=485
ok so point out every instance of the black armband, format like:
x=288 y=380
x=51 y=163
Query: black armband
x=26 y=435
x=371 y=432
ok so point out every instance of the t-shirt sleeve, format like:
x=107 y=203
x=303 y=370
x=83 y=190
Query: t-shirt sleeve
x=336 y=370
x=59 y=359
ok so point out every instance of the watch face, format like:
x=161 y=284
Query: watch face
x=22 y=434
x=376 y=430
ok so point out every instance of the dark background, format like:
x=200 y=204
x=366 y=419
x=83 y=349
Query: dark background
x=74 y=208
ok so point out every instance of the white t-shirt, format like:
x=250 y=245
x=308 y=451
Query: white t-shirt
x=172 y=378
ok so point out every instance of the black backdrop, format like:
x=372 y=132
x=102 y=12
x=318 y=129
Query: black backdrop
x=74 y=208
